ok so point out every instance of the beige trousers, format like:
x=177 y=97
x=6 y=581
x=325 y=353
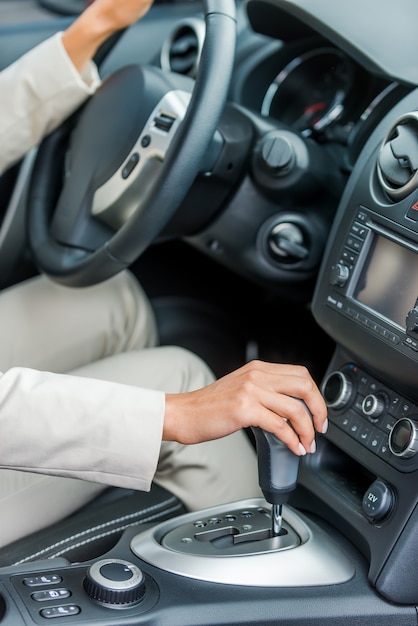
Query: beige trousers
x=108 y=331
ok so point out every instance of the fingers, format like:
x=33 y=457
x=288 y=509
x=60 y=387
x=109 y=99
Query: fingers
x=291 y=421
x=295 y=407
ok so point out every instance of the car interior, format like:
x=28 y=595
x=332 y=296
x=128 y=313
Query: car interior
x=290 y=236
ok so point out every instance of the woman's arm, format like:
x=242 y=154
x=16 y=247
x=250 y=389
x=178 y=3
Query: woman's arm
x=46 y=85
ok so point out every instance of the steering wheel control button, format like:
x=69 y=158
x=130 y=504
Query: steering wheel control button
x=377 y=501
x=130 y=165
x=164 y=121
x=403 y=438
x=115 y=582
x=67 y=610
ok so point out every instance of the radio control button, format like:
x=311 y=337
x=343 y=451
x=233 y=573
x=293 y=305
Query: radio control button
x=354 y=243
x=359 y=230
x=339 y=274
x=348 y=257
x=412 y=319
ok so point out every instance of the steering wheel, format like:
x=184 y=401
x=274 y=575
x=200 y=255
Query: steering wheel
x=129 y=158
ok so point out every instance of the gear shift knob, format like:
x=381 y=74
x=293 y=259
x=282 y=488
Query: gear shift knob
x=277 y=471
x=277 y=467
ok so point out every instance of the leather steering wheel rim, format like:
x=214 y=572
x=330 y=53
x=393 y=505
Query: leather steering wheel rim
x=73 y=265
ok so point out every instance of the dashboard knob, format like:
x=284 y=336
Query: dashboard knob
x=339 y=274
x=115 y=582
x=403 y=438
x=337 y=390
x=373 y=406
x=277 y=154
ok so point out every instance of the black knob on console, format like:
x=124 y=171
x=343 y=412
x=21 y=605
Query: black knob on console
x=403 y=438
x=339 y=274
x=412 y=320
x=115 y=582
x=337 y=390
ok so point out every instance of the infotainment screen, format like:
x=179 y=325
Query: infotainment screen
x=388 y=283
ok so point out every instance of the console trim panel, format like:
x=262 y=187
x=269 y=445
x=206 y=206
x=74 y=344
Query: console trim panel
x=316 y=560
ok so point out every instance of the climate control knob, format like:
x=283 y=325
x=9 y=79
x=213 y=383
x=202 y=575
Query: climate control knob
x=373 y=406
x=403 y=438
x=337 y=390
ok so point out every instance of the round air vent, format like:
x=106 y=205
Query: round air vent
x=181 y=51
x=397 y=164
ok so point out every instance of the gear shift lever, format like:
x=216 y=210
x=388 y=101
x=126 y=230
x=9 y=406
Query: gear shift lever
x=277 y=472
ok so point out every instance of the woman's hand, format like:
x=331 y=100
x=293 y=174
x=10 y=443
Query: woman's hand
x=257 y=394
x=116 y=14
x=100 y=20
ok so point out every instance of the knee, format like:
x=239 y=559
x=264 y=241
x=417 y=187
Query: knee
x=139 y=318
x=190 y=368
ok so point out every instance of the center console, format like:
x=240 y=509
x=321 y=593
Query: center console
x=366 y=300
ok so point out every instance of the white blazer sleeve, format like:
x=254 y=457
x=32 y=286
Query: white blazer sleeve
x=37 y=92
x=79 y=427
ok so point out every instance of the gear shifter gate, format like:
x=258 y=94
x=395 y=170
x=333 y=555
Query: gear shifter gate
x=240 y=531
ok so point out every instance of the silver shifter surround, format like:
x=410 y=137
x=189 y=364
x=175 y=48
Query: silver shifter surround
x=232 y=552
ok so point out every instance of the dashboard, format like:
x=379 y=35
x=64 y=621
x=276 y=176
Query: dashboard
x=314 y=82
